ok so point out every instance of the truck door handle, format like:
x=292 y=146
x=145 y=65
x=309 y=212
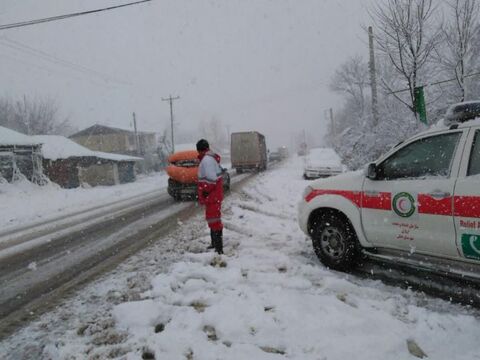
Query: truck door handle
x=372 y=193
x=437 y=194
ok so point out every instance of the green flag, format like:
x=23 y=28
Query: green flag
x=420 y=107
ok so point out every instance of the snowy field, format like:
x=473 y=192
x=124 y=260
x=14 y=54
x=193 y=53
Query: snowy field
x=24 y=203
x=267 y=298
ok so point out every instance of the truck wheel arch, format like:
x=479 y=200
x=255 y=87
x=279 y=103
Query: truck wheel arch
x=344 y=209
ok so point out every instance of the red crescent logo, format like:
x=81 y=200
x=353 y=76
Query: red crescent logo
x=401 y=205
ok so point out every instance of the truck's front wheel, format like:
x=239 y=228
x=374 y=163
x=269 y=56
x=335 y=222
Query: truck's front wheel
x=334 y=241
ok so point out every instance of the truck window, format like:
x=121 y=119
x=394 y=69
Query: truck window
x=431 y=156
x=474 y=165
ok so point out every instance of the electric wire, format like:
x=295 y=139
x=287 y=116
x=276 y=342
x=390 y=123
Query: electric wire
x=6 y=42
x=67 y=16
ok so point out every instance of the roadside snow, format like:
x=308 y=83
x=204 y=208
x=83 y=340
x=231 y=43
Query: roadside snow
x=267 y=298
x=23 y=203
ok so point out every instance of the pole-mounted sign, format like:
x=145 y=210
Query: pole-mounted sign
x=420 y=107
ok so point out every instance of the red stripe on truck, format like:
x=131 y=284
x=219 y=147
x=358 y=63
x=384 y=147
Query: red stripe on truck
x=467 y=206
x=354 y=196
x=460 y=206
x=382 y=201
x=430 y=206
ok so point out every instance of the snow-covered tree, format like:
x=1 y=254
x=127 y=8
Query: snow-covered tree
x=33 y=117
x=460 y=51
x=407 y=35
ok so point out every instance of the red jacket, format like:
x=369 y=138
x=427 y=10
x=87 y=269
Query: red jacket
x=210 y=181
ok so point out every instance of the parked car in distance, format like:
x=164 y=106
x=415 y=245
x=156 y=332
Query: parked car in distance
x=283 y=151
x=322 y=162
x=248 y=151
x=418 y=206
x=274 y=156
x=183 y=175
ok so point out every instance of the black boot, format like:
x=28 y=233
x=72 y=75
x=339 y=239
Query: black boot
x=212 y=241
x=219 y=241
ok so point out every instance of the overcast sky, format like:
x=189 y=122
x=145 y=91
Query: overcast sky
x=254 y=64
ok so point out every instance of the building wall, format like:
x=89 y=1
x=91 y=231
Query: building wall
x=24 y=160
x=126 y=172
x=117 y=143
x=148 y=142
x=62 y=172
x=100 y=174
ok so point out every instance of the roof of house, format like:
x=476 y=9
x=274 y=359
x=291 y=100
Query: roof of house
x=98 y=129
x=116 y=157
x=11 y=137
x=59 y=147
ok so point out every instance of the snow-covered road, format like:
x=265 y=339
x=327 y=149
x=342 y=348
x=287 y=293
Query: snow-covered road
x=267 y=298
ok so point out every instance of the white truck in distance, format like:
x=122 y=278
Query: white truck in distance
x=248 y=151
x=418 y=205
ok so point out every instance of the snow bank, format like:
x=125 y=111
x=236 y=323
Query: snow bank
x=23 y=202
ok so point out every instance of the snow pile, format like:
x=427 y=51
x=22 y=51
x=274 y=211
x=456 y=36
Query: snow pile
x=23 y=203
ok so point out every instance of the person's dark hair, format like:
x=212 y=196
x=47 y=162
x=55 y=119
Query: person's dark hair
x=203 y=145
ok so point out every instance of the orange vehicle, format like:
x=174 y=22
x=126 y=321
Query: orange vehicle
x=182 y=171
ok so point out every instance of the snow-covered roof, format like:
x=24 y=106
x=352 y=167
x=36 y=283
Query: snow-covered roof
x=99 y=129
x=11 y=137
x=115 y=157
x=59 y=147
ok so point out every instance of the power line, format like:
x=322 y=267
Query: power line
x=56 y=60
x=66 y=16
x=49 y=70
x=435 y=83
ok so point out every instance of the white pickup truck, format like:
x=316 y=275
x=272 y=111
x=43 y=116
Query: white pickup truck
x=418 y=205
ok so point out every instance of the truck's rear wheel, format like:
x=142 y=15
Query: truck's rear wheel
x=334 y=241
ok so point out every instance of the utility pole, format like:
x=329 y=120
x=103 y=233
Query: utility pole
x=373 y=78
x=137 y=143
x=170 y=99
x=333 y=123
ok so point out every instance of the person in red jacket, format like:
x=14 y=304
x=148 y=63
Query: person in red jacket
x=210 y=192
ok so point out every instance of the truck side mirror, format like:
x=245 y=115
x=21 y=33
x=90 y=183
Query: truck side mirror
x=372 y=171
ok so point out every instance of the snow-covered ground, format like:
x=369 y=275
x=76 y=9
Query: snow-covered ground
x=24 y=203
x=267 y=298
